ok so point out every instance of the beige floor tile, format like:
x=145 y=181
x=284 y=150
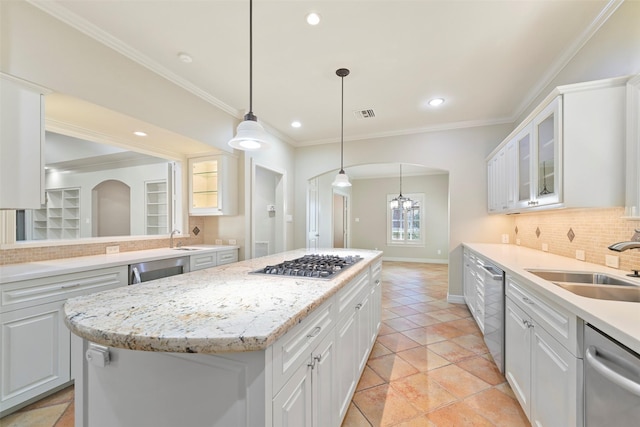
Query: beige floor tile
x=498 y=408
x=451 y=351
x=419 y=421
x=445 y=330
x=423 y=319
x=397 y=342
x=506 y=389
x=400 y=324
x=378 y=350
x=369 y=379
x=472 y=343
x=45 y=416
x=423 y=392
x=383 y=406
x=467 y=325
x=457 y=415
x=354 y=418
x=388 y=314
x=483 y=369
x=443 y=315
x=391 y=367
x=423 y=359
x=457 y=381
x=404 y=311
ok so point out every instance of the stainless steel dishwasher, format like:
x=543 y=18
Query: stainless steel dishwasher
x=611 y=382
x=494 y=311
x=151 y=270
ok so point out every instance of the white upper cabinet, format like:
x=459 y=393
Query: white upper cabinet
x=633 y=148
x=21 y=144
x=213 y=185
x=569 y=152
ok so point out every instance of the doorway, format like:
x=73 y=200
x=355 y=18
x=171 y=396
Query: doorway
x=340 y=223
x=268 y=231
x=111 y=209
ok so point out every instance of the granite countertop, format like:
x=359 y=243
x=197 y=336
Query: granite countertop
x=618 y=319
x=38 y=269
x=217 y=310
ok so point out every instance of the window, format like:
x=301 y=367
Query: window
x=405 y=226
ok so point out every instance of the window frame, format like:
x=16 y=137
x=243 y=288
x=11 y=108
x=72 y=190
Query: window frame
x=416 y=197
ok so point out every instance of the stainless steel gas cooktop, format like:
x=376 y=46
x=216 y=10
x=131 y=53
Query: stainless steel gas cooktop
x=311 y=266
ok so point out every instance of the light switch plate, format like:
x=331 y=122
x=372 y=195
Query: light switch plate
x=612 y=261
x=545 y=247
x=218 y=241
x=580 y=255
x=112 y=249
x=232 y=241
x=505 y=238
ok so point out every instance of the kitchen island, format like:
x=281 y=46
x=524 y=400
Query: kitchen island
x=225 y=346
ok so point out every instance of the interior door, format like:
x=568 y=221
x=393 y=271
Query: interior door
x=313 y=207
x=339 y=221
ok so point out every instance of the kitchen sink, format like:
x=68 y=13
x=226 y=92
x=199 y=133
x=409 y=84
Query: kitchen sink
x=186 y=249
x=592 y=285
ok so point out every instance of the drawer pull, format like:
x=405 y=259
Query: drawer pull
x=317 y=358
x=377 y=281
x=528 y=301
x=315 y=332
x=527 y=323
x=75 y=285
x=359 y=306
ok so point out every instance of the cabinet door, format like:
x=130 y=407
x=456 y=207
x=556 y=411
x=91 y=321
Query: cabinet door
x=347 y=351
x=547 y=174
x=518 y=353
x=292 y=405
x=35 y=352
x=524 y=167
x=376 y=309
x=213 y=185
x=364 y=331
x=554 y=382
x=325 y=399
x=21 y=145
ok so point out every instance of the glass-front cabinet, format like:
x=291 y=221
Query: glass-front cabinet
x=538 y=154
x=213 y=185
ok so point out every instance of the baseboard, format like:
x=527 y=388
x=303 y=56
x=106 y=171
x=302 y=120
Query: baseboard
x=419 y=260
x=455 y=299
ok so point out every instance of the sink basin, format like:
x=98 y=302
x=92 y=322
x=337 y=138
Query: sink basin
x=592 y=285
x=580 y=277
x=186 y=249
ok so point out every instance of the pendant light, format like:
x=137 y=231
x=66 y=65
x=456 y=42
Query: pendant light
x=250 y=135
x=401 y=201
x=342 y=180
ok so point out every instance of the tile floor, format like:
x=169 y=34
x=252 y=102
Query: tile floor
x=429 y=366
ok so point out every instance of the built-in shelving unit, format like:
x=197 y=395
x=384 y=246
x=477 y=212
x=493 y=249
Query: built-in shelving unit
x=156 y=212
x=60 y=219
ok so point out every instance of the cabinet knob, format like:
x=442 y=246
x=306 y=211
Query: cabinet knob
x=377 y=281
x=317 y=357
x=527 y=323
x=359 y=306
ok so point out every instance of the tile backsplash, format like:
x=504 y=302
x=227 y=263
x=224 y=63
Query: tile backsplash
x=43 y=253
x=590 y=230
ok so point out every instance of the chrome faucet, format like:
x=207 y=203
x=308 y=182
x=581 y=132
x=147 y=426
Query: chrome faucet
x=634 y=243
x=176 y=231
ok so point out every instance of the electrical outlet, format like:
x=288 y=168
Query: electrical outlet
x=112 y=249
x=580 y=255
x=439 y=252
x=505 y=238
x=218 y=241
x=518 y=242
x=612 y=261
x=232 y=241
x=545 y=247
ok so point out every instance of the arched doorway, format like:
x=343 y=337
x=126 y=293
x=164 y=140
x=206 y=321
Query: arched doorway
x=111 y=209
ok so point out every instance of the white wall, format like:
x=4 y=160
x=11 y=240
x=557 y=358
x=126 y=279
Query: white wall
x=369 y=206
x=461 y=152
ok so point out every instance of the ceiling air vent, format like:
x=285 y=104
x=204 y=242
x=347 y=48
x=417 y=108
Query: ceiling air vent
x=364 y=114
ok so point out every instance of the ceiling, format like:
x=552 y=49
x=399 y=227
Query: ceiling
x=487 y=59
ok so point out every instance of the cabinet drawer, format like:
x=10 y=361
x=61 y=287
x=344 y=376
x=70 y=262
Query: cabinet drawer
x=227 y=257
x=295 y=347
x=347 y=297
x=561 y=324
x=202 y=261
x=376 y=270
x=28 y=293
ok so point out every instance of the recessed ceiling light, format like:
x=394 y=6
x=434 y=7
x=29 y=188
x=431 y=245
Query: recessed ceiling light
x=296 y=124
x=313 y=18
x=436 y=102
x=139 y=133
x=185 y=57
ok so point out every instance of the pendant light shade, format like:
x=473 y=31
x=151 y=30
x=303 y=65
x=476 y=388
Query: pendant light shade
x=250 y=135
x=401 y=202
x=342 y=180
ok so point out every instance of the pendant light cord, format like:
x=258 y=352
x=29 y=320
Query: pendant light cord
x=251 y=57
x=342 y=127
x=400 y=179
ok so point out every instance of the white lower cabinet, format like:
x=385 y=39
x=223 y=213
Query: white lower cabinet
x=34 y=341
x=544 y=375
x=308 y=397
x=35 y=356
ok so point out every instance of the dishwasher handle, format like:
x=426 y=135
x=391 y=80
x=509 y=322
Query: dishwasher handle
x=493 y=272
x=615 y=377
x=135 y=276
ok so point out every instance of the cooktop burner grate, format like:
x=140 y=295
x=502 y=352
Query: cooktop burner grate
x=311 y=266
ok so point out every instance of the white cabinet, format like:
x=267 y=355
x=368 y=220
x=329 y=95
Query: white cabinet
x=200 y=261
x=21 y=144
x=376 y=301
x=35 y=342
x=550 y=160
x=473 y=286
x=60 y=217
x=213 y=185
x=226 y=257
x=544 y=372
x=156 y=207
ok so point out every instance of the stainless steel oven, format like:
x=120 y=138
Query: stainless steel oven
x=611 y=382
x=494 y=311
x=151 y=270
